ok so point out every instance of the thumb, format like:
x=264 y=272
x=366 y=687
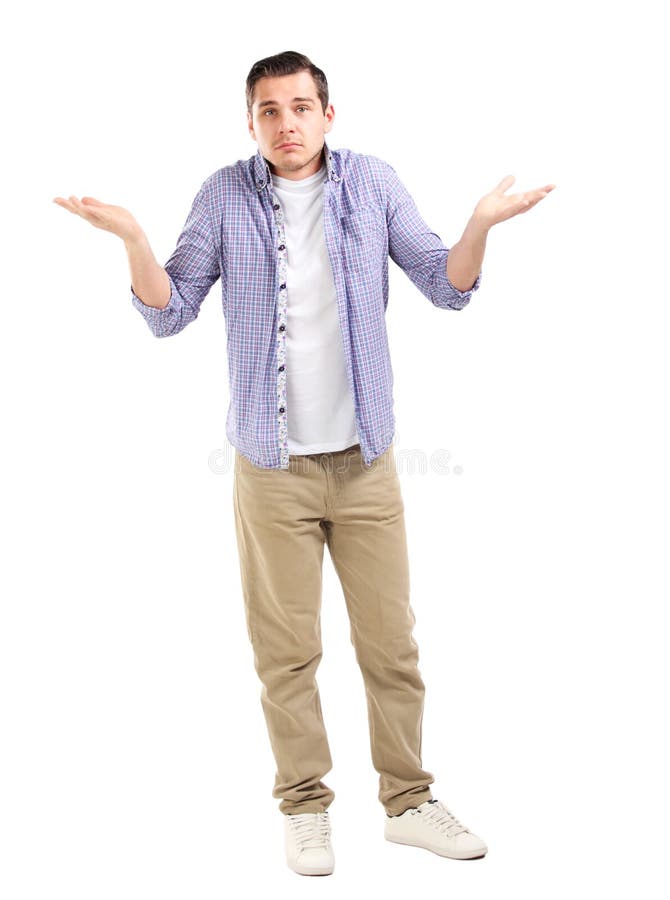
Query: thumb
x=92 y=201
x=507 y=182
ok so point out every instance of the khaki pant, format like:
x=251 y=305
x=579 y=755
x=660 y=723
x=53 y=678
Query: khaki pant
x=283 y=518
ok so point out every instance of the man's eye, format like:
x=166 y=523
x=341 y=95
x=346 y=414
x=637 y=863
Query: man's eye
x=297 y=107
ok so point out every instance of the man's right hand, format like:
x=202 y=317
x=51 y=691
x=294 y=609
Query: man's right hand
x=103 y=215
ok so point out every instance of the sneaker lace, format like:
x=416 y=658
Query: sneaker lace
x=311 y=829
x=437 y=815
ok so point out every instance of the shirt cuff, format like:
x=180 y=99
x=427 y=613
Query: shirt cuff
x=152 y=314
x=455 y=299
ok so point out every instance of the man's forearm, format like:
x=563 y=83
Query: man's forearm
x=464 y=262
x=149 y=280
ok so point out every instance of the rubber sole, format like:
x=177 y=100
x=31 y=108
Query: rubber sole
x=325 y=871
x=437 y=852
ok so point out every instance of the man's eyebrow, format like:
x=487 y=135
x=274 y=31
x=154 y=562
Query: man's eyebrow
x=295 y=99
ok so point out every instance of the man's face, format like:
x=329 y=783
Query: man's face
x=287 y=111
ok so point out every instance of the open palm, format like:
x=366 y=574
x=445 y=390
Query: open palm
x=497 y=206
x=102 y=215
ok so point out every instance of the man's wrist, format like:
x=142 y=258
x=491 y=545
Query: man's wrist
x=478 y=225
x=135 y=240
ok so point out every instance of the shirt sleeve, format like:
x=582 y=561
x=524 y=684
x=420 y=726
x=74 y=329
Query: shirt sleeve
x=192 y=269
x=418 y=251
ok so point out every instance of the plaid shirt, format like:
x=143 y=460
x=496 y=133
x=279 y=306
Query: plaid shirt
x=235 y=232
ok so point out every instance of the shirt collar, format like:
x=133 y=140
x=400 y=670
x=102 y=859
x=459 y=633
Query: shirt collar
x=263 y=177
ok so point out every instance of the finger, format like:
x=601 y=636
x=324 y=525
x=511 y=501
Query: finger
x=506 y=183
x=80 y=207
x=92 y=201
x=541 y=192
x=531 y=203
x=61 y=201
x=530 y=198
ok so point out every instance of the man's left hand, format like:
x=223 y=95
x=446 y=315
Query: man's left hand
x=497 y=206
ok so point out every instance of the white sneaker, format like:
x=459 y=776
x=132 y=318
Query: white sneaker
x=308 y=847
x=433 y=827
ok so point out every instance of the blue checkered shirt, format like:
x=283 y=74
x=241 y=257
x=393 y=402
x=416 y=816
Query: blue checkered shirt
x=235 y=232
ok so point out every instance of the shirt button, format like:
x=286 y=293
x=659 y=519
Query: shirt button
x=281 y=247
x=281 y=368
x=281 y=409
x=276 y=206
x=282 y=327
x=282 y=286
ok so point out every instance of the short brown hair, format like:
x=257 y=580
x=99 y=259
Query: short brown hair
x=287 y=63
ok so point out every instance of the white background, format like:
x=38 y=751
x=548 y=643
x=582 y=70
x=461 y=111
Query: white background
x=135 y=760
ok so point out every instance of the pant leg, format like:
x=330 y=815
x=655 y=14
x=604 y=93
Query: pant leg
x=280 y=544
x=367 y=542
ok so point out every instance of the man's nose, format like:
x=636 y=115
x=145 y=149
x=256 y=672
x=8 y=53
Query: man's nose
x=286 y=122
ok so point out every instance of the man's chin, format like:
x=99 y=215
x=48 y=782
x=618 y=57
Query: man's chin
x=293 y=161
x=291 y=165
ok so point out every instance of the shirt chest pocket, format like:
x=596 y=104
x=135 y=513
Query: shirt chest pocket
x=364 y=239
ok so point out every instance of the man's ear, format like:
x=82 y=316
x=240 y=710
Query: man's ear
x=250 y=125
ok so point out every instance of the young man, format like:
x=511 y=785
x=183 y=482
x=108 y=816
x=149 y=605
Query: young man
x=300 y=236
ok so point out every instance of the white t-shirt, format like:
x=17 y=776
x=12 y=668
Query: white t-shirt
x=320 y=406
